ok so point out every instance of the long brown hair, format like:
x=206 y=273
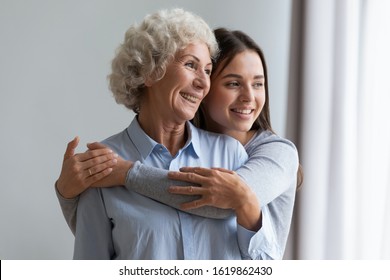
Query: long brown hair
x=230 y=44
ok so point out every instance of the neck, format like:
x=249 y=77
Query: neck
x=243 y=137
x=172 y=135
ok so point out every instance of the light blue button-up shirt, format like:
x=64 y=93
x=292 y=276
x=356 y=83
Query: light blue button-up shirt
x=115 y=223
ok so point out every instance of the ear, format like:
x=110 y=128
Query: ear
x=153 y=78
x=148 y=82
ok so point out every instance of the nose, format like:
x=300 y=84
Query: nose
x=247 y=94
x=202 y=81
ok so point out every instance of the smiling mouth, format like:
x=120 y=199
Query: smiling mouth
x=190 y=98
x=243 y=111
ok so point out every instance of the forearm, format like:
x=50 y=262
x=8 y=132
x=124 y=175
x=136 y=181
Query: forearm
x=249 y=215
x=154 y=183
x=69 y=209
x=271 y=173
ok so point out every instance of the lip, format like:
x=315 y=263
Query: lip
x=192 y=98
x=243 y=114
x=243 y=111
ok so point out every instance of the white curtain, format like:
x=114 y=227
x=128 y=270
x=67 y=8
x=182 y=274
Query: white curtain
x=340 y=119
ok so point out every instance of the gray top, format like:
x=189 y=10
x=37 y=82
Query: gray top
x=271 y=171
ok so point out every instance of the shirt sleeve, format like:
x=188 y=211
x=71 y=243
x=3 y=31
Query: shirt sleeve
x=271 y=172
x=154 y=183
x=260 y=245
x=69 y=209
x=271 y=168
x=93 y=236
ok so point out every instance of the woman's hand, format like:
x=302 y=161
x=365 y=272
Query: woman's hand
x=119 y=171
x=220 y=188
x=79 y=171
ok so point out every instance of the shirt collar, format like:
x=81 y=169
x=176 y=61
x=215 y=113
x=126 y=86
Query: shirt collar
x=145 y=144
x=193 y=138
x=141 y=140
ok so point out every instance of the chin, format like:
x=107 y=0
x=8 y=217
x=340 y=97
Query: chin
x=244 y=128
x=188 y=116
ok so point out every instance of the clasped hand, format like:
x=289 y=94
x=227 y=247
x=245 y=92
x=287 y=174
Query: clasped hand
x=95 y=167
x=220 y=188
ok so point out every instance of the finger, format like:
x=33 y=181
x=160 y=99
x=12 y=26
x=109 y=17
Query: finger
x=100 y=167
x=197 y=170
x=71 y=147
x=223 y=170
x=193 y=204
x=96 y=145
x=98 y=176
x=190 y=190
x=186 y=177
x=95 y=153
x=96 y=161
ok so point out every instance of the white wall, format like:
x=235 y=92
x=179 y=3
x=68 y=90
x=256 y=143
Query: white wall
x=54 y=59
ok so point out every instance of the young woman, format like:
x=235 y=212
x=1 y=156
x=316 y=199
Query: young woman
x=237 y=105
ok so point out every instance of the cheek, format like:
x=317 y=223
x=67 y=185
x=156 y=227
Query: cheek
x=261 y=100
x=207 y=85
x=214 y=104
x=207 y=107
x=209 y=100
x=212 y=107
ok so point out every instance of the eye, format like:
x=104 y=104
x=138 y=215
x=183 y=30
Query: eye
x=208 y=71
x=233 y=84
x=190 y=64
x=258 y=85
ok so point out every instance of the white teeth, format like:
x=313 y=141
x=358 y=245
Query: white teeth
x=244 y=111
x=188 y=97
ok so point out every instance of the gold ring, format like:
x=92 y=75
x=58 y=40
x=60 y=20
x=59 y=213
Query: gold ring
x=90 y=172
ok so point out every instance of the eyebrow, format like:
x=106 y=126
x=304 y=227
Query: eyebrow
x=240 y=77
x=196 y=58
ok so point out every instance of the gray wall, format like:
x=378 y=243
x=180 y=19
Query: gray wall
x=54 y=59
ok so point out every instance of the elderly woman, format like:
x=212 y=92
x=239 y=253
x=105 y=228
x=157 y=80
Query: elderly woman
x=161 y=71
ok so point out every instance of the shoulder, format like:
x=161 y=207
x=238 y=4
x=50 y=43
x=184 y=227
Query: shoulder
x=266 y=136
x=272 y=145
x=271 y=139
x=117 y=141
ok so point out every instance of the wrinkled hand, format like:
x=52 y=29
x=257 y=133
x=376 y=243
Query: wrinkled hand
x=119 y=171
x=79 y=171
x=220 y=188
x=217 y=187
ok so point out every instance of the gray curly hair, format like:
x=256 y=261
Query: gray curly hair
x=149 y=47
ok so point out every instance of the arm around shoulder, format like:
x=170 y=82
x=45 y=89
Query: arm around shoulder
x=272 y=166
x=69 y=209
x=154 y=183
